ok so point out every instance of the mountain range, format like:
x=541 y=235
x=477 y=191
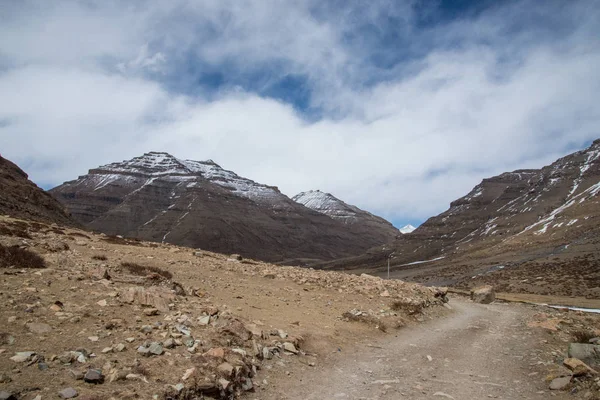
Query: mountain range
x=198 y=204
x=535 y=216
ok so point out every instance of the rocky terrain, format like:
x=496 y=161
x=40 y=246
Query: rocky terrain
x=102 y=317
x=198 y=204
x=370 y=227
x=534 y=231
x=21 y=198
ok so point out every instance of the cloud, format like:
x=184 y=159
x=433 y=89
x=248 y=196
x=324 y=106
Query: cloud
x=401 y=117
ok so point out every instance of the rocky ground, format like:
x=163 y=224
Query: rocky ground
x=112 y=318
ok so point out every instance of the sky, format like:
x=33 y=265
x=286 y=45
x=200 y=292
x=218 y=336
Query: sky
x=398 y=107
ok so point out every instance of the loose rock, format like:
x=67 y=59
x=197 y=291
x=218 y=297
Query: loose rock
x=68 y=393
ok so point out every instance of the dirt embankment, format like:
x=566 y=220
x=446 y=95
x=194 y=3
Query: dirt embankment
x=112 y=318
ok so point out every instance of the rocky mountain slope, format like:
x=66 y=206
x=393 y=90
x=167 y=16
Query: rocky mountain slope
x=21 y=198
x=367 y=225
x=161 y=198
x=513 y=218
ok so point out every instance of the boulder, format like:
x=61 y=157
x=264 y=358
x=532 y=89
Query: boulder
x=483 y=295
x=588 y=353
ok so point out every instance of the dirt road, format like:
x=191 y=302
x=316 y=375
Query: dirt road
x=477 y=352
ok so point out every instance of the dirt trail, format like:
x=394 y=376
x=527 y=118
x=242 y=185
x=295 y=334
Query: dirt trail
x=477 y=352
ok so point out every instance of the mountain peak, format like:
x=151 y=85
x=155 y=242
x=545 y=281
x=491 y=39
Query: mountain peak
x=407 y=229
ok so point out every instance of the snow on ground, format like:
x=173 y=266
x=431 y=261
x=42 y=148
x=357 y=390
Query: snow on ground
x=423 y=262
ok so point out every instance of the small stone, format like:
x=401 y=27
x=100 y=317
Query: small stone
x=217 y=352
x=146 y=329
x=102 y=303
x=287 y=346
x=204 y=320
x=93 y=376
x=4 y=395
x=107 y=350
x=188 y=373
x=188 y=341
x=6 y=338
x=560 y=383
x=93 y=338
x=38 y=328
x=224 y=383
x=169 y=343
x=117 y=375
x=130 y=339
x=179 y=387
x=155 y=348
x=578 y=367
x=226 y=369
x=119 y=347
x=143 y=350
x=267 y=355
x=151 y=311
x=282 y=334
x=77 y=375
x=22 y=356
x=385 y=293
x=68 y=393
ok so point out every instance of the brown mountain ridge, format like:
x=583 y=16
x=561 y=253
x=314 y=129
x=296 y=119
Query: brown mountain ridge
x=198 y=204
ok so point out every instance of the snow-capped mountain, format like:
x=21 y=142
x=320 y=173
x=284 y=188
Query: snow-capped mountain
x=512 y=217
x=407 y=229
x=360 y=221
x=197 y=203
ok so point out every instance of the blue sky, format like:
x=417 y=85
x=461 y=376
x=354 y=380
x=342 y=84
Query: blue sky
x=397 y=107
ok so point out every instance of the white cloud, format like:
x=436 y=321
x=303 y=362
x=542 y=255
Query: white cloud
x=76 y=94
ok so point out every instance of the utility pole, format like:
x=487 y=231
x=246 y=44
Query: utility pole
x=388 y=260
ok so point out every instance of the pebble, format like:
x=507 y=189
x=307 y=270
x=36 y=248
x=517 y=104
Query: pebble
x=119 y=347
x=68 y=393
x=93 y=376
x=155 y=348
x=560 y=383
x=38 y=327
x=22 y=356
x=287 y=346
x=150 y=312
x=7 y=396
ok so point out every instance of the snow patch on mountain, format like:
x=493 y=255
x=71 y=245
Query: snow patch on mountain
x=155 y=165
x=407 y=229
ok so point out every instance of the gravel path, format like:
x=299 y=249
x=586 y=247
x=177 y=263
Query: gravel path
x=477 y=352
